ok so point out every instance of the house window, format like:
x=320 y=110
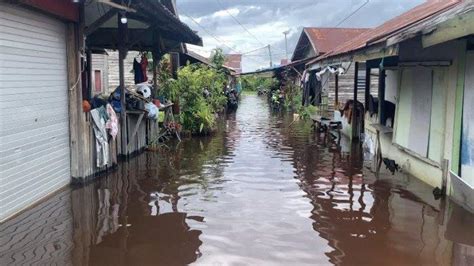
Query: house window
x=420 y=123
x=98 y=81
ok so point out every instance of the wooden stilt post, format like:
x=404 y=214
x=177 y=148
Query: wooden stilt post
x=336 y=102
x=354 y=106
x=381 y=96
x=367 y=86
x=89 y=74
x=122 y=54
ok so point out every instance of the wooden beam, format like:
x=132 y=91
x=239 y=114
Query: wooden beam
x=74 y=92
x=458 y=113
x=89 y=74
x=367 y=86
x=354 y=105
x=122 y=33
x=336 y=102
x=135 y=130
x=381 y=96
x=458 y=27
x=118 y=6
x=100 y=21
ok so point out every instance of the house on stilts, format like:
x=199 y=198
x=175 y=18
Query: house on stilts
x=48 y=135
x=421 y=116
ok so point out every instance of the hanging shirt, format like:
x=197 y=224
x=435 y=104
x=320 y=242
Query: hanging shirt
x=137 y=69
x=112 y=122
x=100 y=132
x=144 y=67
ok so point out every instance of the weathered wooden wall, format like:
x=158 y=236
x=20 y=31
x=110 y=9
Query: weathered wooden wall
x=100 y=62
x=346 y=87
x=113 y=61
x=138 y=142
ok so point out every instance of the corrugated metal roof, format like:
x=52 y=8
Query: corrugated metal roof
x=384 y=31
x=322 y=40
x=326 y=39
x=198 y=57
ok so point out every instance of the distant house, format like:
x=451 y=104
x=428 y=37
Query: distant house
x=315 y=42
x=234 y=61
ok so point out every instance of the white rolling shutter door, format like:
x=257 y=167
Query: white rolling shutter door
x=34 y=127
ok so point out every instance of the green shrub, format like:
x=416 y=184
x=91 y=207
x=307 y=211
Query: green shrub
x=197 y=113
x=255 y=82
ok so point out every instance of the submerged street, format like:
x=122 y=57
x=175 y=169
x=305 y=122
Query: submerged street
x=257 y=193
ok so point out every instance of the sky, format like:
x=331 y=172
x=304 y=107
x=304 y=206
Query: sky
x=247 y=26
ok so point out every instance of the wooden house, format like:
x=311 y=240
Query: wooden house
x=46 y=138
x=312 y=43
x=423 y=118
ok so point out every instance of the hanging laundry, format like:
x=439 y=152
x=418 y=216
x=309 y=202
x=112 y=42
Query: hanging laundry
x=137 y=69
x=144 y=67
x=112 y=122
x=99 y=117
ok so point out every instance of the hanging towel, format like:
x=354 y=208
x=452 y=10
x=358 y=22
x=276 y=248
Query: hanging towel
x=100 y=132
x=112 y=122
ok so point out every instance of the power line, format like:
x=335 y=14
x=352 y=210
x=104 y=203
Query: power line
x=210 y=34
x=214 y=37
x=258 y=49
x=238 y=22
x=353 y=12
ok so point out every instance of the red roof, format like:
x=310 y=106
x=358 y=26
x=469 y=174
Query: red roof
x=234 y=61
x=384 y=31
x=326 y=39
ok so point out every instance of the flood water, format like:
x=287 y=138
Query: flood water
x=259 y=192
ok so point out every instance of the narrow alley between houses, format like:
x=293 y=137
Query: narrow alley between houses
x=225 y=132
x=258 y=192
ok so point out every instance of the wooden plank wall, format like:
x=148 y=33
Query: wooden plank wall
x=138 y=143
x=346 y=87
x=100 y=62
x=113 y=70
x=41 y=235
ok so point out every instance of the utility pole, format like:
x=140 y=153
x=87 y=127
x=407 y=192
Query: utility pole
x=286 y=43
x=270 y=53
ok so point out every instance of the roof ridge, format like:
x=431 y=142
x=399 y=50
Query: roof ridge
x=337 y=28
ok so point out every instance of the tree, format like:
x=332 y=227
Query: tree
x=218 y=58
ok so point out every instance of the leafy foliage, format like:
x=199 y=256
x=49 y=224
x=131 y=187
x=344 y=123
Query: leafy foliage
x=218 y=58
x=198 y=113
x=254 y=83
x=293 y=96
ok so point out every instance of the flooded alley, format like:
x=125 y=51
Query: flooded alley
x=259 y=192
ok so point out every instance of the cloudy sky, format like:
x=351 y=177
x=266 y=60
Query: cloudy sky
x=217 y=22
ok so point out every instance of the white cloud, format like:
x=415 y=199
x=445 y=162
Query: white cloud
x=267 y=19
x=226 y=13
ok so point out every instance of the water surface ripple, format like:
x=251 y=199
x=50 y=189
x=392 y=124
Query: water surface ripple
x=257 y=193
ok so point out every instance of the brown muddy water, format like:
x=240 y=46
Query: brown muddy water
x=257 y=193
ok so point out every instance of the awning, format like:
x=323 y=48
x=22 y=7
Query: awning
x=151 y=25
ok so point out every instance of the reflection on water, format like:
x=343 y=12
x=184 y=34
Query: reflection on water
x=258 y=192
